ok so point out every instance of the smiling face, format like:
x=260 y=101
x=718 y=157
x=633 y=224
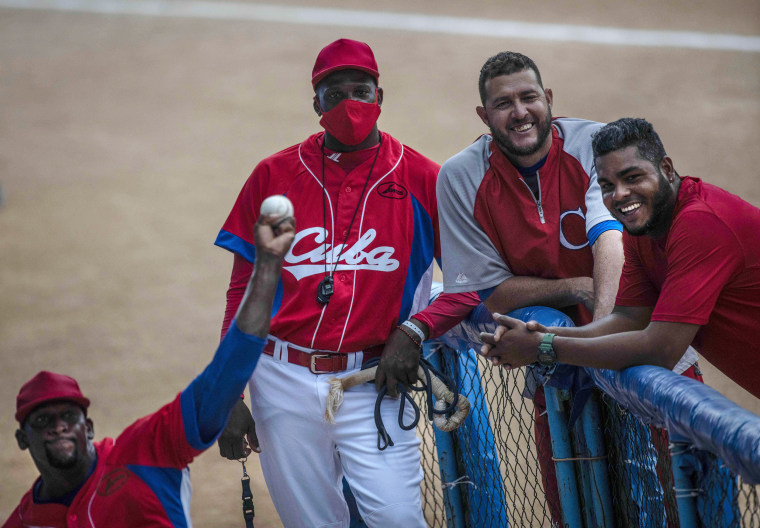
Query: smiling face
x=638 y=193
x=58 y=436
x=518 y=112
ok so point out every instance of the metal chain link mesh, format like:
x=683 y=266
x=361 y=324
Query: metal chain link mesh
x=499 y=478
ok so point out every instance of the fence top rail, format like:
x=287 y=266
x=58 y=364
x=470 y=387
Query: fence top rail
x=691 y=411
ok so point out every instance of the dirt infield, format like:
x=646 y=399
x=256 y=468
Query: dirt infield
x=124 y=141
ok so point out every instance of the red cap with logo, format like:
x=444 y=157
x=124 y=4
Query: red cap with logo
x=344 y=54
x=47 y=387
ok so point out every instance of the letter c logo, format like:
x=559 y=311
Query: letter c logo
x=562 y=239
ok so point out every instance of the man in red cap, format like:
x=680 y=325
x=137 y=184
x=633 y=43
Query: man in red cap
x=355 y=287
x=140 y=478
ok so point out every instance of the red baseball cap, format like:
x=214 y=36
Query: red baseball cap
x=47 y=387
x=344 y=54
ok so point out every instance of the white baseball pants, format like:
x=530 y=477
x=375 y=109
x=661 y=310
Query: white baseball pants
x=304 y=458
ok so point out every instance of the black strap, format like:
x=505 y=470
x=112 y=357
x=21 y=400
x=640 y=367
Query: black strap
x=247 y=498
x=383 y=438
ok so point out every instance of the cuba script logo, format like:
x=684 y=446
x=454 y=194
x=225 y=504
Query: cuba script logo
x=562 y=239
x=309 y=252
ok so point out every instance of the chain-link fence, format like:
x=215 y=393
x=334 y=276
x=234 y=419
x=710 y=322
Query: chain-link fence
x=611 y=469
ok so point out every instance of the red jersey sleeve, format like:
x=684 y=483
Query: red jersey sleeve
x=447 y=310
x=159 y=439
x=703 y=256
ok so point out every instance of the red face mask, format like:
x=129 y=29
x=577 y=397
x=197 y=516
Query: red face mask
x=350 y=122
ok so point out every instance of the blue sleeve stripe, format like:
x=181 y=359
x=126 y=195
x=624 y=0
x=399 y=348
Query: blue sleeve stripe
x=423 y=253
x=209 y=399
x=166 y=484
x=236 y=244
x=601 y=227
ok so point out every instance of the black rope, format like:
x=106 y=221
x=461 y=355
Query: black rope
x=383 y=438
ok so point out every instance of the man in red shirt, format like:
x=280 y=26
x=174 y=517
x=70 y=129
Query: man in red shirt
x=141 y=477
x=691 y=273
x=355 y=287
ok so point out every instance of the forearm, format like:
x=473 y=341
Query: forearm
x=622 y=319
x=518 y=292
x=255 y=311
x=217 y=389
x=219 y=386
x=239 y=278
x=617 y=351
x=446 y=311
x=608 y=264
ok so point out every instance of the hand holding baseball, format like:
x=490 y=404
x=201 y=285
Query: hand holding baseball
x=275 y=229
x=277 y=205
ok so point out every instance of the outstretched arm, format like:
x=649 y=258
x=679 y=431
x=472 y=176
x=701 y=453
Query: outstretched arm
x=217 y=389
x=622 y=319
x=658 y=343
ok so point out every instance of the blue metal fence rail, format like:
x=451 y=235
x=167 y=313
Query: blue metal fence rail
x=697 y=417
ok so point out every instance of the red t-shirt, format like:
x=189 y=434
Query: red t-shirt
x=706 y=271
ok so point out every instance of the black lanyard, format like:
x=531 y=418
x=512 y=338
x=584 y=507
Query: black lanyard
x=325 y=288
x=247 y=497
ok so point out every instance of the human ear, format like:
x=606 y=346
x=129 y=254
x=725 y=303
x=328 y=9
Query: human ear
x=481 y=111
x=666 y=166
x=90 y=429
x=22 y=440
x=317 y=108
x=549 y=96
x=379 y=93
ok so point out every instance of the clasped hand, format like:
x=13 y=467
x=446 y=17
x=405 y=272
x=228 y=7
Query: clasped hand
x=513 y=344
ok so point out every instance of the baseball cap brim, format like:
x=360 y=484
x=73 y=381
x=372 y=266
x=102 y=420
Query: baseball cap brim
x=324 y=73
x=27 y=408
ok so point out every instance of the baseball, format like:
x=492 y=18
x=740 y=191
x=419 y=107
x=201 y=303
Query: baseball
x=277 y=205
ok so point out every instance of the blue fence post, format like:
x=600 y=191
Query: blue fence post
x=586 y=484
x=686 y=496
x=447 y=458
x=601 y=499
x=568 y=488
x=485 y=499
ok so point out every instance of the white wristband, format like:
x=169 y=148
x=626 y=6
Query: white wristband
x=416 y=329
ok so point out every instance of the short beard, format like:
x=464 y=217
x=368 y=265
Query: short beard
x=512 y=151
x=663 y=205
x=60 y=462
